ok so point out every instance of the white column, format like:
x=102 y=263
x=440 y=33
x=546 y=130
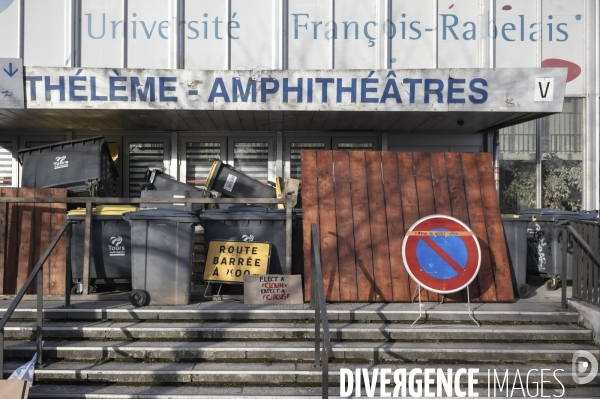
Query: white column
x=591 y=124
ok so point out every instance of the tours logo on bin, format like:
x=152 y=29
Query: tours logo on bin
x=115 y=249
x=61 y=162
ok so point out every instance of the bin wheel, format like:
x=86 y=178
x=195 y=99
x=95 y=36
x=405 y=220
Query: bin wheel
x=552 y=284
x=524 y=290
x=75 y=289
x=139 y=298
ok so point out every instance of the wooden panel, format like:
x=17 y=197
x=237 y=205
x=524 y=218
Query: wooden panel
x=477 y=224
x=379 y=237
x=493 y=222
x=3 y=227
x=345 y=228
x=410 y=203
x=361 y=238
x=26 y=239
x=395 y=226
x=441 y=196
x=38 y=231
x=458 y=202
x=327 y=224
x=425 y=196
x=12 y=243
x=310 y=209
x=362 y=232
x=58 y=258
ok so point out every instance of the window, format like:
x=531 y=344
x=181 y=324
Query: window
x=6 y=164
x=199 y=159
x=252 y=159
x=560 y=163
x=143 y=156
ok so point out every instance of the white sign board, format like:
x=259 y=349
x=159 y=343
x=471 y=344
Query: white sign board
x=544 y=89
x=11 y=83
x=273 y=289
x=416 y=90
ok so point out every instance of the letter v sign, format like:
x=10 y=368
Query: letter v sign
x=544 y=89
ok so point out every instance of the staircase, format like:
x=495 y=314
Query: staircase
x=228 y=350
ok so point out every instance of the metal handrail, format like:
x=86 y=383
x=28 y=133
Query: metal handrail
x=317 y=302
x=289 y=203
x=585 y=281
x=40 y=299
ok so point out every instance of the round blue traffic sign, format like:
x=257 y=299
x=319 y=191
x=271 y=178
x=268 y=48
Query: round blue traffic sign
x=441 y=253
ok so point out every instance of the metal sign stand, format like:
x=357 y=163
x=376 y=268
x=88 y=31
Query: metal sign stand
x=213 y=295
x=423 y=313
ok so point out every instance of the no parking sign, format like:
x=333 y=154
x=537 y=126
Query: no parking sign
x=441 y=253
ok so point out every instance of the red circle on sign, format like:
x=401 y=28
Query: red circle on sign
x=449 y=224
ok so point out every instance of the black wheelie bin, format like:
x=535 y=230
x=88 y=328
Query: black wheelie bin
x=84 y=167
x=544 y=243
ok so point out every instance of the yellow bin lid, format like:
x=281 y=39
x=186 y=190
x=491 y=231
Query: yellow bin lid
x=106 y=210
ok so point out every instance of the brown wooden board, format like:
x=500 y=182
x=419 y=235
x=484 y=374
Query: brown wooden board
x=362 y=232
x=36 y=244
x=424 y=182
x=43 y=233
x=487 y=289
x=363 y=202
x=12 y=243
x=458 y=202
x=345 y=228
x=26 y=239
x=441 y=196
x=310 y=209
x=58 y=258
x=493 y=221
x=410 y=202
x=327 y=224
x=379 y=237
x=3 y=228
x=395 y=226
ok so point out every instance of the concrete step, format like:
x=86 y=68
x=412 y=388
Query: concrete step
x=303 y=350
x=175 y=392
x=342 y=312
x=276 y=373
x=285 y=330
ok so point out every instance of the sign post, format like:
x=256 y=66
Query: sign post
x=441 y=254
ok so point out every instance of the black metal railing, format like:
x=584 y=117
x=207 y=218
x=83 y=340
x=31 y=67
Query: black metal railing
x=317 y=302
x=584 y=236
x=289 y=202
x=40 y=299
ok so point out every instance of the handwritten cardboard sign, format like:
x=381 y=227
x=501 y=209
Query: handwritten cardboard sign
x=230 y=261
x=14 y=389
x=273 y=289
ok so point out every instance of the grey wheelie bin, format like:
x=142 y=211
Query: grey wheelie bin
x=544 y=243
x=161 y=256
x=515 y=231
